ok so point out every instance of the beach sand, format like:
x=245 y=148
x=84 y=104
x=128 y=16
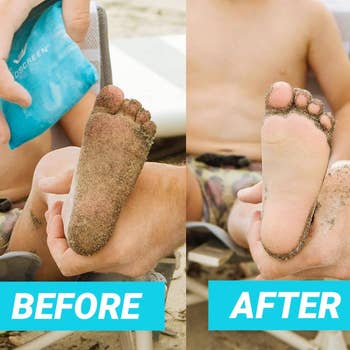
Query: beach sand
x=145 y=17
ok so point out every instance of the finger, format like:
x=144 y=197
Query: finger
x=59 y=184
x=13 y=14
x=69 y=262
x=10 y=90
x=73 y=264
x=251 y=194
x=56 y=241
x=55 y=209
x=76 y=15
x=253 y=235
x=4 y=130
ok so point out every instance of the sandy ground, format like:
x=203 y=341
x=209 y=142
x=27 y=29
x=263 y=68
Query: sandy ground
x=198 y=336
x=201 y=339
x=129 y=18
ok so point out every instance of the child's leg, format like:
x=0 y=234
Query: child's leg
x=29 y=233
x=73 y=123
x=194 y=198
x=17 y=166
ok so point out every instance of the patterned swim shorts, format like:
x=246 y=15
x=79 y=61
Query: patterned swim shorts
x=220 y=184
x=8 y=220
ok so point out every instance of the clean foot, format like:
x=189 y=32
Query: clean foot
x=296 y=138
x=116 y=143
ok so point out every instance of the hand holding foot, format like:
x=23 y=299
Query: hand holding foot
x=150 y=226
x=327 y=255
x=117 y=139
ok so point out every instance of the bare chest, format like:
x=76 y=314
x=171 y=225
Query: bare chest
x=245 y=46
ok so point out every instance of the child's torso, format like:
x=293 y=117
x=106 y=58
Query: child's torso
x=236 y=50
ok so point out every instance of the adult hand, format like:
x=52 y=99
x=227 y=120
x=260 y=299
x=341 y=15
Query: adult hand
x=151 y=225
x=252 y=195
x=12 y=15
x=325 y=255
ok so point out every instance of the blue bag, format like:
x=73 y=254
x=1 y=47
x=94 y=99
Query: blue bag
x=45 y=61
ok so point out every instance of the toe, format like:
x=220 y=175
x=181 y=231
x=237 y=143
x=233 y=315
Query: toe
x=327 y=121
x=110 y=99
x=149 y=128
x=143 y=116
x=131 y=108
x=280 y=96
x=315 y=107
x=302 y=98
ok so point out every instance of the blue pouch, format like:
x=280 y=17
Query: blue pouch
x=46 y=61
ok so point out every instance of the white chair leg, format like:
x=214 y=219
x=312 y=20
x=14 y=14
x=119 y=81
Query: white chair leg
x=127 y=341
x=330 y=340
x=144 y=340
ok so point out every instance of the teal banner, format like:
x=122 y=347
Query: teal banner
x=82 y=306
x=279 y=305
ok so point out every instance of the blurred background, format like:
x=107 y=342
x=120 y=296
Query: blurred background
x=128 y=18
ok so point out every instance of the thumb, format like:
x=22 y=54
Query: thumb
x=59 y=184
x=4 y=130
x=252 y=194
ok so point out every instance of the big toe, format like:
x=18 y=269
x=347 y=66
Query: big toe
x=280 y=97
x=110 y=99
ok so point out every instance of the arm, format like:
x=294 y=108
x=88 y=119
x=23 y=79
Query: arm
x=139 y=241
x=331 y=66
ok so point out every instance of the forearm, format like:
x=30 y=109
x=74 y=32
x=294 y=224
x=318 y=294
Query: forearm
x=341 y=139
